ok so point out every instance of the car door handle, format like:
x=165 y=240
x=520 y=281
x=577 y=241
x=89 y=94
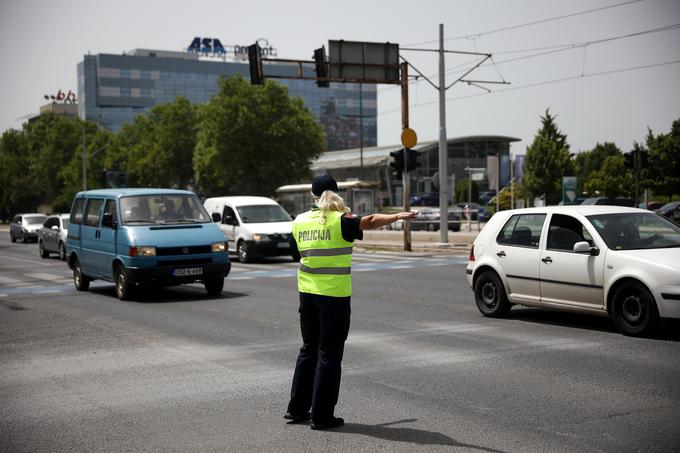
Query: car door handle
x=547 y=260
x=501 y=253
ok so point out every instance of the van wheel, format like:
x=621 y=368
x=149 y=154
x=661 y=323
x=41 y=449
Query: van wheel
x=490 y=295
x=214 y=286
x=43 y=253
x=123 y=286
x=62 y=251
x=634 y=311
x=242 y=250
x=81 y=282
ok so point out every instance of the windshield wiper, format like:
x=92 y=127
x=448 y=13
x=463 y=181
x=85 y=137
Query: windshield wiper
x=139 y=221
x=182 y=221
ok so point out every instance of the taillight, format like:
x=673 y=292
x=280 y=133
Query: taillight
x=472 y=253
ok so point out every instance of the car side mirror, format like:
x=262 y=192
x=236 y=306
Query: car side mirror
x=584 y=247
x=55 y=227
x=108 y=221
x=217 y=217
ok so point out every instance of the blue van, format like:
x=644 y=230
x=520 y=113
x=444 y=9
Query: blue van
x=145 y=236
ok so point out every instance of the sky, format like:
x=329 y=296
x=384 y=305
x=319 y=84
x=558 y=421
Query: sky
x=611 y=89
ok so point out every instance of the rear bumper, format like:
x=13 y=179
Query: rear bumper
x=165 y=276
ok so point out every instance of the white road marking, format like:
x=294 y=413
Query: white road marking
x=6 y=280
x=43 y=276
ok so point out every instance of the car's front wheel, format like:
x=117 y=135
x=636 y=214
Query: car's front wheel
x=123 y=285
x=214 y=286
x=41 y=248
x=633 y=310
x=490 y=295
x=242 y=250
x=62 y=251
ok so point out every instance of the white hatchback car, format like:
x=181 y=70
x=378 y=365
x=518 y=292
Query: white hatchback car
x=605 y=260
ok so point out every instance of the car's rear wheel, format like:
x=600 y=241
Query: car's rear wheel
x=62 y=251
x=242 y=250
x=214 y=286
x=633 y=310
x=490 y=295
x=80 y=281
x=11 y=237
x=41 y=248
x=124 y=287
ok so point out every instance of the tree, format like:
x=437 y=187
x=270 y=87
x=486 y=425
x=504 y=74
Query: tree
x=588 y=162
x=547 y=160
x=18 y=192
x=663 y=172
x=156 y=149
x=462 y=188
x=612 y=180
x=253 y=139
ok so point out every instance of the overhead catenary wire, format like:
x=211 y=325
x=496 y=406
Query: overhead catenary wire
x=545 y=82
x=550 y=50
x=527 y=24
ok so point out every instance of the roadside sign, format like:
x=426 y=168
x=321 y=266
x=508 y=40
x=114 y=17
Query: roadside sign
x=569 y=189
x=409 y=138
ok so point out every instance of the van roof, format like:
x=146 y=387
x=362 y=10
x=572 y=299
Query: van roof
x=242 y=201
x=132 y=191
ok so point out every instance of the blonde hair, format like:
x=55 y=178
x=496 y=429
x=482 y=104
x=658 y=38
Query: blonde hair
x=330 y=201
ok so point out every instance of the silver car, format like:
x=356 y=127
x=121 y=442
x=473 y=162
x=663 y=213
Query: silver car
x=52 y=236
x=25 y=227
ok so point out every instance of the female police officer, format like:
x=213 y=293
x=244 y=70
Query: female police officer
x=323 y=238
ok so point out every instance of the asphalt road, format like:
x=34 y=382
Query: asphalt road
x=423 y=371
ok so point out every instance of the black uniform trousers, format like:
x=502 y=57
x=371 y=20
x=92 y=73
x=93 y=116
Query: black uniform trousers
x=324 y=322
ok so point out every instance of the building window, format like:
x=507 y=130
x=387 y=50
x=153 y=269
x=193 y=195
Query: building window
x=109 y=91
x=109 y=72
x=135 y=74
x=155 y=75
x=136 y=92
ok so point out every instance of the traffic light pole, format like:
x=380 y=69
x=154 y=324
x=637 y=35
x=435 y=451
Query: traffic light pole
x=405 y=173
x=443 y=149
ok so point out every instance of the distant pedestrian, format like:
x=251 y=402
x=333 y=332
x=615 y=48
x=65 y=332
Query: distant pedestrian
x=323 y=238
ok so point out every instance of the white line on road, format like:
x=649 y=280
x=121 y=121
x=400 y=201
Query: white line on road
x=43 y=276
x=6 y=280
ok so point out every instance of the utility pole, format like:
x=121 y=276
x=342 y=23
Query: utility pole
x=405 y=173
x=443 y=149
x=361 y=132
x=84 y=157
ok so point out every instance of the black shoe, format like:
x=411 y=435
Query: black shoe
x=334 y=422
x=297 y=418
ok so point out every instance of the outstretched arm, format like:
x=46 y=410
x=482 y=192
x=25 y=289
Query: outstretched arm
x=373 y=221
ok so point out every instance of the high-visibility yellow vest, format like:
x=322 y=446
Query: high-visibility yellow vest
x=325 y=257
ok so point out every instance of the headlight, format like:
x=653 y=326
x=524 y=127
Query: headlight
x=219 y=247
x=142 y=251
x=260 y=237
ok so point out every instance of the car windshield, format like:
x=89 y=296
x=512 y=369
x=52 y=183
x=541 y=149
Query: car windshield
x=64 y=221
x=164 y=208
x=34 y=219
x=265 y=213
x=636 y=231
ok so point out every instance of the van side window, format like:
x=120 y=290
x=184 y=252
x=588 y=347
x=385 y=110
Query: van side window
x=77 y=211
x=92 y=212
x=526 y=231
x=229 y=216
x=110 y=209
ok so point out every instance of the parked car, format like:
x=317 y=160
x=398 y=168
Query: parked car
x=26 y=227
x=486 y=196
x=144 y=236
x=670 y=211
x=651 y=205
x=428 y=219
x=424 y=199
x=604 y=260
x=52 y=236
x=618 y=201
x=477 y=212
x=256 y=226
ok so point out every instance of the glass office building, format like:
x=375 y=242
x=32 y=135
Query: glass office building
x=113 y=89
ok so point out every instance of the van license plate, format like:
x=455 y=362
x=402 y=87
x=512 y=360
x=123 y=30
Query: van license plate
x=188 y=271
x=283 y=245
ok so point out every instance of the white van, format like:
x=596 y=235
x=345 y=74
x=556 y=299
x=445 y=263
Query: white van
x=254 y=226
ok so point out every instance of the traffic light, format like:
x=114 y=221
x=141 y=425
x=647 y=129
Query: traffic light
x=255 y=61
x=398 y=162
x=321 y=65
x=410 y=159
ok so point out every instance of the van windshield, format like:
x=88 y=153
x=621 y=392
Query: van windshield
x=165 y=208
x=265 y=213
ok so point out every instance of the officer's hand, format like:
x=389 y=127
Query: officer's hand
x=407 y=215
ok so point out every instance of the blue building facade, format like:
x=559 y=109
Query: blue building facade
x=113 y=89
